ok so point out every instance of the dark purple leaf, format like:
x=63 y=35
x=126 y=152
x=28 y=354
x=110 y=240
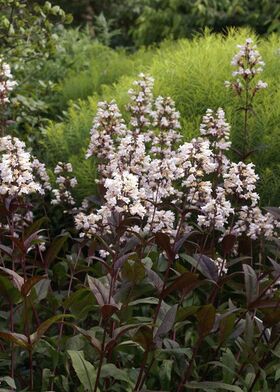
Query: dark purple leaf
x=228 y=243
x=187 y=282
x=163 y=242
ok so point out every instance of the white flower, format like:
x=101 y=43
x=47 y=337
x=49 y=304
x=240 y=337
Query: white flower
x=17 y=170
x=7 y=83
x=248 y=63
x=65 y=182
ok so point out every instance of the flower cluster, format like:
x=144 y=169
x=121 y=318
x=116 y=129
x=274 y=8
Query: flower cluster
x=20 y=173
x=166 y=186
x=248 y=63
x=141 y=103
x=65 y=182
x=6 y=82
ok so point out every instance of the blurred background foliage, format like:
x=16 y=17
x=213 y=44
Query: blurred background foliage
x=133 y=23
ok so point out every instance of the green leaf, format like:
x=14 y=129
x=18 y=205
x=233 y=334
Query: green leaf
x=46 y=377
x=148 y=300
x=212 y=385
x=165 y=372
x=80 y=302
x=55 y=248
x=133 y=271
x=35 y=227
x=110 y=370
x=16 y=279
x=42 y=289
x=226 y=327
x=46 y=325
x=16 y=338
x=8 y=290
x=84 y=369
x=93 y=341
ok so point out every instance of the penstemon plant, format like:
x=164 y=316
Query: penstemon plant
x=171 y=274
x=248 y=63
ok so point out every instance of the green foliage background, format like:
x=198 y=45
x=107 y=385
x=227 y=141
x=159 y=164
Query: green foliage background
x=143 y=22
x=192 y=72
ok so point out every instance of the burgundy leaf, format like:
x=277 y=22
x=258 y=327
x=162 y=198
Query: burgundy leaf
x=187 y=282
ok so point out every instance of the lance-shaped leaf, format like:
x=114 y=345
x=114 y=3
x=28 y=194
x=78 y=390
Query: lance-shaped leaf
x=166 y=325
x=93 y=340
x=35 y=227
x=9 y=381
x=228 y=243
x=226 y=327
x=117 y=334
x=251 y=283
x=16 y=279
x=29 y=283
x=84 y=369
x=187 y=282
x=163 y=242
x=110 y=370
x=206 y=319
x=108 y=310
x=42 y=329
x=121 y=260
x=6 y=249
x=212 y=386
x=204 y=265
x=28 y=241
x=180 y=242
x=8 y=290
x=144 y=337
x=55 y=248
x=101 y=294
x=154 y=279
x=16 y=338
